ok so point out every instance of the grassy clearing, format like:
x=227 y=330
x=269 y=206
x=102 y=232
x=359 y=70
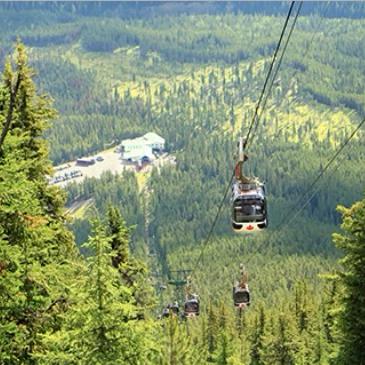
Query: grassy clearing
x=142 y=178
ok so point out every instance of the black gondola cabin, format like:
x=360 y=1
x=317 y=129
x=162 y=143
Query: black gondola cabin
x=241 y=296
x=192 y=307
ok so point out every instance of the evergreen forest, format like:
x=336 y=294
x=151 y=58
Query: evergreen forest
x=90 y=285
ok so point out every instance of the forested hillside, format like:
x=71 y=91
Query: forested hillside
x=193 y=73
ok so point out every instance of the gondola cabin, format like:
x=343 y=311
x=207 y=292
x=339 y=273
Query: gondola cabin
x=249 y=212
x=192 y=307
x=174 y=308
x=241 y=297
x=165 y=313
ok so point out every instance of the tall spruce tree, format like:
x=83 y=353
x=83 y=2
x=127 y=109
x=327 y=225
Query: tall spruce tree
x=224 y=351
x=267 y=350
x=36 y=250
x=99 y=327
x=352 y=278
x=258 y=337
x=178 y=344
x=133 y=272
x=330 y=313
x=211 y=330
x=286 y=341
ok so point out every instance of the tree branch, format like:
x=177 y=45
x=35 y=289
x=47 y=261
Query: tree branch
x=9 y=117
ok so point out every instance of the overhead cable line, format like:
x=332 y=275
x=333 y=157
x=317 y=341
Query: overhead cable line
x=289 y=218
x=323 y=170
x=277 y=133
x=309 y=45
x=262 y=109
x=205 y=244
x=303 y=57
x=269 y=73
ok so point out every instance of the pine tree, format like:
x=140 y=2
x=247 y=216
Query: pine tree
x=133 y=272
x=119 y=234
x=267 y=350
x=177 y=343
x=330 y=314
x=286 y=341
x=224 y=348
x=302 y=308
x=212 y=330
x=242 y=354
x=308 y=323
x=35 y=247
x=258 y=335
x=99 y=327
x=352 y=278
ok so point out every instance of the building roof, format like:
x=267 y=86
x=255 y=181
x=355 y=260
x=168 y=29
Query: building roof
x=129 y=142
x=139 y=153
x=148 y=138
x=152 y=137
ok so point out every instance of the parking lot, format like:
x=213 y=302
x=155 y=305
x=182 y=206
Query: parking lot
x=110 y=161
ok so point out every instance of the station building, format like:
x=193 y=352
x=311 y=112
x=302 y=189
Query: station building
x=141 y=149
x=152 y=140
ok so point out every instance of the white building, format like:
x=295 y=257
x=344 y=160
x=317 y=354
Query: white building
x=143 y=154
x=151 y=140
x=154 y=141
